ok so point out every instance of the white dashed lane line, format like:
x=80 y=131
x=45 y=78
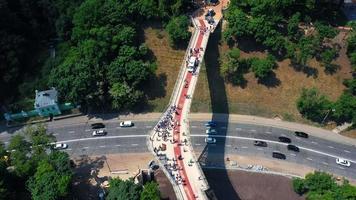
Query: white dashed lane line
x=244 y=147
x=325 y=163
x=331 y=147
x=228 y=145
x=197 y=144
x=118 y=145
x=268 y=132
x=87 y=130
x=85 y=147
x=134 y=144
x=71 y=131
x=238 y=129
x=314 y=142
x=102 y=146
x=253 y=130
x=148 y=126
x=309 y=159
x=292 y=154
x=55 y=134
x=346 y=151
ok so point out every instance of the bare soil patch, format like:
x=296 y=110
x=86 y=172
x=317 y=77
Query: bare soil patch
x=252 y=186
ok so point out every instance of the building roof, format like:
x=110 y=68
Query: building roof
x=46 y=98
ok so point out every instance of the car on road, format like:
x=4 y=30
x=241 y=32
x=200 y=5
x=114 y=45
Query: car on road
x=292 y=147
x=97 y=125
x=210 y=124
x=210 y=131
x=210 y=140
x=126 y=124
x=284 y=139
x=278 y=155
x=343 y=162
x=58 y=146
x=260 y=143
x=301 y=134
x=100 y=132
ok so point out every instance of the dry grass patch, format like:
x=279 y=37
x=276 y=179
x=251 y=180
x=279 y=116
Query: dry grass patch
x=159 y=89
x=277 y=99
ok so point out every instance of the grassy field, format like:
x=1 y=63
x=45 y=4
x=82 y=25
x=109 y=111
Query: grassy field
x=168 y=60
x=277 y=98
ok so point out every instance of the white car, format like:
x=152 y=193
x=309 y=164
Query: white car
x=211 y=131
x=210 y=140
x=100 y=132
x=343 y=162
x=60 y=146
x=126 y=124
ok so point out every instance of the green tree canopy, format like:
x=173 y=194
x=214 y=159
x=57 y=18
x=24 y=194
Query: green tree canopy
x=123 y=190
x=262 y=67
x=150 y=191
x=177 y=29
x=313 y=105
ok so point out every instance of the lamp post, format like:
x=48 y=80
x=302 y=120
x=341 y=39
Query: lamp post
x=327 y=114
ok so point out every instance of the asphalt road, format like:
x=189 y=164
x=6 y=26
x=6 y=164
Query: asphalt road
x=314 y=152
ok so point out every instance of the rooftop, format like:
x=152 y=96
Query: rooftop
x=46 y=98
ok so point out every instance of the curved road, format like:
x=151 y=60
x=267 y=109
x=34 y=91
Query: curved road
x=314 y=152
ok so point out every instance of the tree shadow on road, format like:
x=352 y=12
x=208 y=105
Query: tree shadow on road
x=212 y=155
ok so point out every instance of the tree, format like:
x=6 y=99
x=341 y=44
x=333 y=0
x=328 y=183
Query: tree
x=262 y=67
x=123 y=190
x=150 y=191
x=325 y=31
x=299 y=186
x=20 y=148
x=177 y=29
x=351 y=86
x=313 y=105
x=238 y=23
x=345 y=108
x=293 y=27
x=52 y=178
x=123 y=96
x=327 y=56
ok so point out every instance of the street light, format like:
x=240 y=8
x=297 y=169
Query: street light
x=327 y=114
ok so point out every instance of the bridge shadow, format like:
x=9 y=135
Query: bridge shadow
x=213 y=155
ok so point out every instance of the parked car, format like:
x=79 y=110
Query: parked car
x=126 y=124
x=278 y=155
x=58 y=146
x=210 y=124
x=260 y=143
x=97 y=125
x=301 y=134
x=100 y=132
x=284 y=139
x=210 y=131
x=293 y=147
x=210 y=140
x=343 y=162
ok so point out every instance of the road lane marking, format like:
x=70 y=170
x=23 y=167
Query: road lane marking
x=103 y=146
x=118 y=145
x=260 y=149
x=292 y=154
x=268 y=132
x=283 y=135
x=331 y=147
x=71 y=131
x=85 y=147
x=347 y=151
x=253 y=130
x=273 y=142
x=148 y=126
x=87 y=130
x=341 y=167
x=325 y=163
x=102 y=138
x=197 y=144
x=134 y=144
x=228 y=145
x=118 y=127
x=309 y=159
x=314 y=142
x=194 y=126
x=238 y=129
x=69 y=149
x=55 y=134
x=244 y=147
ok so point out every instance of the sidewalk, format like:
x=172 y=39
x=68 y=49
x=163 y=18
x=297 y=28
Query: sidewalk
x=247 y=119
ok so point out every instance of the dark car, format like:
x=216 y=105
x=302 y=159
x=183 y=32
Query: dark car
x=278 y=155
x=284 y=139
x=293 y=147
x=260 y=143
x=97 y=125
x=301 y=134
